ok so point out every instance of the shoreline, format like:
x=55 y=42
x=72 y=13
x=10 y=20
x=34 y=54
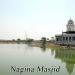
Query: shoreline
x=39 y=44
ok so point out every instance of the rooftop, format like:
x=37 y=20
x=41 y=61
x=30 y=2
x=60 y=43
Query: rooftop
x=70 y=32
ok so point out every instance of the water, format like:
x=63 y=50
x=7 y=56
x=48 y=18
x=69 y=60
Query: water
x=14 y=58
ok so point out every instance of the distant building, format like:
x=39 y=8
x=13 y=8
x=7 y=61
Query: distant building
x=68 y=37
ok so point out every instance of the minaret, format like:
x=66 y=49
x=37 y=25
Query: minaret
x=70 y=25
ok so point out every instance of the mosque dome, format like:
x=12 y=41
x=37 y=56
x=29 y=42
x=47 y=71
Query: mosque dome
x=70 y=22
x=70 y=25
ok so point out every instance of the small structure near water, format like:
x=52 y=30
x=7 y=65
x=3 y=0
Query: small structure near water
x=68 y=37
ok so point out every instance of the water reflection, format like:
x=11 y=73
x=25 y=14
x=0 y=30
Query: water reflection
x=43 y=47
x=67 y=56
x=52 y=51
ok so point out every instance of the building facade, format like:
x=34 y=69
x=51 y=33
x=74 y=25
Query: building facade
x=68 y=37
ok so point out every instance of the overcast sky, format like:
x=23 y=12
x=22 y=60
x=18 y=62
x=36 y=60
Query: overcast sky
x=36 y=18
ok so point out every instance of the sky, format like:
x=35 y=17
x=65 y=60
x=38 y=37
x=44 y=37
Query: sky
x=34 y=18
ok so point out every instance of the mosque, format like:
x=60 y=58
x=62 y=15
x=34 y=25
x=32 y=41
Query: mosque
x=68 y=37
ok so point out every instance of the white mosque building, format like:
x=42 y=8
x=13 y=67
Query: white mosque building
x=68 y=37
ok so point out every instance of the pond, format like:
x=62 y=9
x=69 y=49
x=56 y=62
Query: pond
x=21 y=59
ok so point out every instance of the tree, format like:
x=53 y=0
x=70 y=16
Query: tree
x=43 y=39
x=18 y=40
